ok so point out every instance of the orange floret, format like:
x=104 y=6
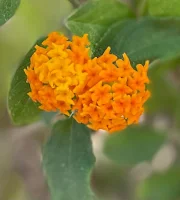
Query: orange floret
x=103 y=92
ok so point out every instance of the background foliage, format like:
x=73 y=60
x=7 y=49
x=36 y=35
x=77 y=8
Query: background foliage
x=141 y=162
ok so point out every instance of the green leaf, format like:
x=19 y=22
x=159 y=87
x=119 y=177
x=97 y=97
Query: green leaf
x=22 y=109
x=7 y=9
x=164 y=7
x=162 y=186
x=68 y=160
x=95 y=17
x=133 y=145
x=144 y=39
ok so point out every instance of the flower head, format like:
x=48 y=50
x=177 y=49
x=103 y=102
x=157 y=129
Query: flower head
x=103 y=92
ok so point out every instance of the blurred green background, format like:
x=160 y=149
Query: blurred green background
x=154 y=175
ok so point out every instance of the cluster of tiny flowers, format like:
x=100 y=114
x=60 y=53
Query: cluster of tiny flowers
x=104 y=92
x=56 y=71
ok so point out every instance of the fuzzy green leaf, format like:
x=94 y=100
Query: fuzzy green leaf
x=22 y=109
x=145 y=39
x=7 y=9
x=95 y=17
x=68 y=160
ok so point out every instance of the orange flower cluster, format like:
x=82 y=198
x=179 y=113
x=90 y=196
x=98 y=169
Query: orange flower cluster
x=104 y=92
x=56 y=71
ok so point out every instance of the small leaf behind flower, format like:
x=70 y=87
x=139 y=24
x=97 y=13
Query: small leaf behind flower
x=95 y=17
x=148 y=38
x=68 y=160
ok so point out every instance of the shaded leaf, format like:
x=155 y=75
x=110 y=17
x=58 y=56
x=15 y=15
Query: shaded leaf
x=144 y=39
x=22 y=109
x=133 y=145
x=162 y=186
x=95 y=17
x=68 y=160
x=7 y=9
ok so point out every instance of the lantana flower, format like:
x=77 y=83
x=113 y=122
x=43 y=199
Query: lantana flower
x=104 y=92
